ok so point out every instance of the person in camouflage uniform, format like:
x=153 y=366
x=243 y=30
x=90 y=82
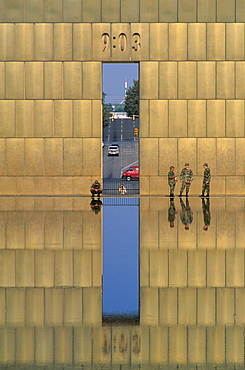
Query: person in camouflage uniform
x=206 y=180
x=171 y=212
x=206 y=213
x=186 y=214
x=96 y=188
x=172 y=179
x=186 y=177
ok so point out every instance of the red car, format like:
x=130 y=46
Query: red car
x=131 y=173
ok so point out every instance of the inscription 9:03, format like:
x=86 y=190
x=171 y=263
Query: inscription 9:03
x=121 y=42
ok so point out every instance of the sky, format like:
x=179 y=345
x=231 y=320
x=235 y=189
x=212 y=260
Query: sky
x=120 y=259
x=114 y=77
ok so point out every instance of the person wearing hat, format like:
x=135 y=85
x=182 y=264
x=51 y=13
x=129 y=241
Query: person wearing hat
x=206 y=180
x=96 y=188
x=186 y=177
x=172 y=179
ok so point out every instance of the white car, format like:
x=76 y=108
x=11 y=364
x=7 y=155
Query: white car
x=113 y=149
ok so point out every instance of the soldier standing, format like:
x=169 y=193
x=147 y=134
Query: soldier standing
x=186 y=177
x=206 y=180
x=172 y=179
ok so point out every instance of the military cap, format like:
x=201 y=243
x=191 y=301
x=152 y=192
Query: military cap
x=171 y=167
x=186 y=164
x=205 y=164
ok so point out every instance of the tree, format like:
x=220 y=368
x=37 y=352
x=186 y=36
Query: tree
x=106 y=110
x=132 y=99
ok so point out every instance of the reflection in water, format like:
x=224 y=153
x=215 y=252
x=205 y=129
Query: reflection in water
x=186 y=214
x=120 y=290
x=192 y=293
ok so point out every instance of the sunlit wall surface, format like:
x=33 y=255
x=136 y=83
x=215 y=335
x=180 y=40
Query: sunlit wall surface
x=191 y=62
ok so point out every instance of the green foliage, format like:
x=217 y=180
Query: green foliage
x=132 y=99
x=106 y=110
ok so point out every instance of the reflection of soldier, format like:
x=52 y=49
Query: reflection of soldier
x=171 y=212
x=206 y=213
x=206 y=180
x=96 y=188
x=186 y=214
x=96 y=205
x=172 y=179
x=186 y=177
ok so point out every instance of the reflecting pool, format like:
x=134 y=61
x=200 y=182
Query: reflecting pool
x=190 y=287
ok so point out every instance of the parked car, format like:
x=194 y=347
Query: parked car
x=131 y=173
x=113 y=149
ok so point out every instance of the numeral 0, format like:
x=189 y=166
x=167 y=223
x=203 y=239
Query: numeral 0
x=121 y=41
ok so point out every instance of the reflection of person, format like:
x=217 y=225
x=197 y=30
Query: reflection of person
x=96 y=188
x=172 y=179
x=186 y=214
x=186 y=177
x=171 y=212
x=95 y=205
x=206 y=213
x=122 y=189
x=206 y=180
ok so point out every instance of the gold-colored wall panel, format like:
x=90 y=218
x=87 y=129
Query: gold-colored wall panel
x=24 y=41
x=35 y=307
x=44 y=41
x=73 y=80
x=177 y=118
x=91 y=11
x=187 y=80
x=149 y=156
x=148 y=11
x=62 y=41
x=110 y=11
x=34 y=10
x=215 y=41
x=226 y=154
x=15 y=163
x=240 y=80
x=44 y=118
x=82 y=118
x=130 y=11
x=149 y=80
x=206 y=80
x=34 y=157
x=240 y=11
x=7 y=118
x=215 y=118
x=187 y=11
x=121 y=48
x=34 y=80
x=225 y=80
x=178 y=41
x=72 y=156
x=82 y=48
x=7 y=43
x=240 y=153
x=139 y=52
x=92 y=80
x=159 y=41
x=72 y=11
x=44 y=269
x=53 y=80
x=158 y=113
x=53 y=157
x=158 y=268
x=197 y=118
x=63 y=126
x=7 y=271
x=14 y=80
x=91 y=159
x=206 y=11
x=14 y=11
x=52 y=11
x=235 y=41
x=235 y=118
x=226 y=11
x=197 y=41
x=24 y=268
x=167 y=11
x=187 y=306
x=206 y=152
x=168 y=80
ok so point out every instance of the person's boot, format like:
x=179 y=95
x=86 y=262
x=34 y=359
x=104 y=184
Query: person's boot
x=202 y=195
x=180 y=194
x=187 y=194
